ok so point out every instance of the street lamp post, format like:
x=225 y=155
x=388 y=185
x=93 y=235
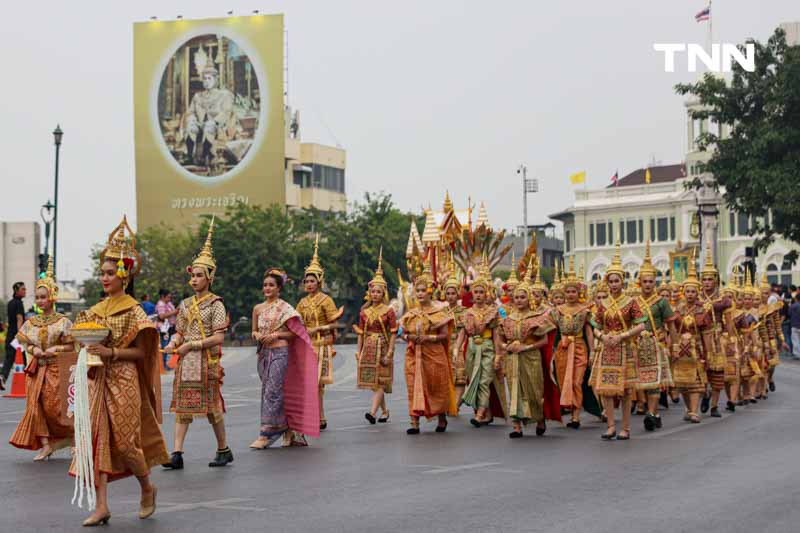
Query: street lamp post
x=47 y=219
x=57 y=135
x=527 y=186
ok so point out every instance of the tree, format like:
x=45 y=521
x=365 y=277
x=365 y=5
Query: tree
x=758 y=164
x=166 y=252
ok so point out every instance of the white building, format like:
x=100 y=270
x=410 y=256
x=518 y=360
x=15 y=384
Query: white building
x=19 y=248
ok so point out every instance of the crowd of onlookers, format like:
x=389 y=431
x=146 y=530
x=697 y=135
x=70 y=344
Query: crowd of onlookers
x=791 y=315
x=163 y=314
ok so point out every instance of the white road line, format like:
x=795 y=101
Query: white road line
x=458 y=468
x=225 y=505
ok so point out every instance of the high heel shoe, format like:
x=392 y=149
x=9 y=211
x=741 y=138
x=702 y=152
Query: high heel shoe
x=41 y=457
x=103 y=520
x=146 y=511
x=609 y=436
x=384 y=417
x=442 y=429
x=370 y=417
x=412 y=431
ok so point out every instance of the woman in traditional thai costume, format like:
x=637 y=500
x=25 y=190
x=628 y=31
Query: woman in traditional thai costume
x=484 y=391
x=694 y=329
x=574 y=349
x=522 y=335
x=557 y=295
x=43 y=337
x=452 y=295
x=750 y=368
x=287 y=366
x=125 y=392
x=320 y=315
x=376 y=329
x=200 y=331
x=618 y=320
x=429 y=378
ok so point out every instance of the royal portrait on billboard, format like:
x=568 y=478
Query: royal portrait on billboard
x=209 y=105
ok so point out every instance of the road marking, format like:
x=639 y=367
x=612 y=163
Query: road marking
x=458 y=468
x=223 y=505
x=368 y=429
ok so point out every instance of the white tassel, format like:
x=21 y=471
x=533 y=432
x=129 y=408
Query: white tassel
x=84 y=457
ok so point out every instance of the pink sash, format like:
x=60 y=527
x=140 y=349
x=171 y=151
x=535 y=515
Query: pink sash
x=301 y=400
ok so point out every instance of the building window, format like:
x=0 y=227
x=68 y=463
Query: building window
x=731 y=224
x=662 y=232
x=641 y=230
x=672 y=228
x=325 y=177
x=652 y=229
x=622 y=231
x=742 y=224
x=567 y=240
x=610 y=233
x=782 y=276
x=591 y=234
x=630 y=232
x=601 y=234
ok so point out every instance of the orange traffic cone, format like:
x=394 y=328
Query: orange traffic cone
x=18 y=380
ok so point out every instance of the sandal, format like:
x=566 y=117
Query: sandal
x=384 y=417
x=625 y=434
x=609 y=436
x=694 y=419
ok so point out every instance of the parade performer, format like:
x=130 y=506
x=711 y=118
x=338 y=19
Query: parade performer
x=732 y=323
x=618 y=320
x=715 y=358
x=750 y=369
x=507 y=300
x=654 y=343
x=200 y=331
x=485 y=392
x=694 y=330
x=557 y=295
x=522 y=335
x=43 y=337
x=320 y=315
x=574 y=348
x=429 y=380
x=452 y=295
x=376 y=329
x=287 y=367
x=125 y=392
x=772 y=316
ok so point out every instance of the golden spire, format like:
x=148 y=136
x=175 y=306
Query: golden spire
x=765 y=284
x=647 y=265
x=205 y=258
x=452 y=275
x=121 y=246
x=512 y=280
x=49 y=281
x=448 y=204
x=691 y=277
x=709 y=267
x=378 y=279
x=570 y=279
x=413 y=239
x=557 y=274
x=484 y=274
x=430 y=234
x=581 y=275
x=315 y=268
x=616 y=263
x=483 y=218
x=538 y=285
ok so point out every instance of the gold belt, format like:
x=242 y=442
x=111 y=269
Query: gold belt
x=44 y=361
x=477 y=340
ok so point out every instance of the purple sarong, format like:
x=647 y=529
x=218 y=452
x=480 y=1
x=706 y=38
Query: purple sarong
x=272 y=365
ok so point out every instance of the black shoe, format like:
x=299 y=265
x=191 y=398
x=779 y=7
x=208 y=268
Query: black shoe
x=753 y=400
x=730 y=407
x=663 y=401
x=442 y=429
x=323 y=425
x=574 y=424
x=715 y=413
x=222 y=458
x=412 y=431
x=772 y=386
x=624 y=437
x=741 y=403
x=659 y=423
x=676 y=399
x=515 y=435
x=369 y=417
x=609 y=436
x=649 y=422
x=475 y=422
x=705 y=404
x=540 y=430
x=175 y=461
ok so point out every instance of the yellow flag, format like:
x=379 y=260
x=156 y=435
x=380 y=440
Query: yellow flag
x=647 y=176
x=578 y=177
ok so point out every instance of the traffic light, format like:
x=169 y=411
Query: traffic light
x=42 y=265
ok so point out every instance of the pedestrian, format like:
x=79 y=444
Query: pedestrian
x=149 y=307
x=166 y=312
x=16 y=317
x=794 y=320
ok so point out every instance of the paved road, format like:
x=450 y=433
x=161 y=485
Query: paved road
x=738 y=473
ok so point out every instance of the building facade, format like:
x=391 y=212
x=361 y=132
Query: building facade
x=19 y=247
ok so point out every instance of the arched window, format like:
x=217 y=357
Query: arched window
x=596 y=277
x=783 y=275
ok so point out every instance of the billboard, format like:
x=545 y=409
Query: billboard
x=208 y=115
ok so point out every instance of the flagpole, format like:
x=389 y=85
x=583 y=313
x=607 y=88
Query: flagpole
x=710 y=27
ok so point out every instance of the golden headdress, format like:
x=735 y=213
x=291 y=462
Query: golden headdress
x=484 y=276
x=691 y=278
x=749 y=287
x=664 y=285
x=121 y=247
x=527 y=283
x=647 y=265
x=538 y=285
x=315 y=268
x=452 y=276
x=512 y=280
x=765 y=284
x=426 y=276
x=616 y=264
x=205 y=259
x=49 y=281
x=378 y=279
x=708 y=267
x=570 y=279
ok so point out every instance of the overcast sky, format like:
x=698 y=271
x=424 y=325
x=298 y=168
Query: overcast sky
x=425 y=96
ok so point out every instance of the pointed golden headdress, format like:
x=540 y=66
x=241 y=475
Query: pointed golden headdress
x=616 y=263
x=512 y=280
x=691 y=278
x=570 y=279
x=315 y=268
x=708 y=267
x=378 y=279
x=558 y=282
x=426 y=276
x=121 y=248
x=538 y=285
x=452 y=276
x=49 y=281
x=484 y=275
x=765 y=284
x=527 y=282
x=647 y=265
x=205 y=259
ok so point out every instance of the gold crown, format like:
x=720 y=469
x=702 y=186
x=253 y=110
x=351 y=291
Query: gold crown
x=691 y=278
x=616 y=263
x=512 y=280
x=570 y=279
x=315 y=268
x=527 y=283
x=765 y=284
x=647 y=265
x=452 y=276
x=122 y=247
x=538 y=285
x=378 y=279
x=708 y=267
x=205 y=259
x=484 y=275
x=49 y=281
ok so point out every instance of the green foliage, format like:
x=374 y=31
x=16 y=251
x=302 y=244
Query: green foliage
x=758 y=164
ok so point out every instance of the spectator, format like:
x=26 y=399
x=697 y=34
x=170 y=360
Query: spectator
x=786 y=323
x=16 y=316
x=794 y=317
x=773 y=295
x=149 y=307
x=166 y=312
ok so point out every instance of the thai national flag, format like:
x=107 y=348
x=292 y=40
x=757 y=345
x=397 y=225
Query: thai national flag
x=703 y=15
